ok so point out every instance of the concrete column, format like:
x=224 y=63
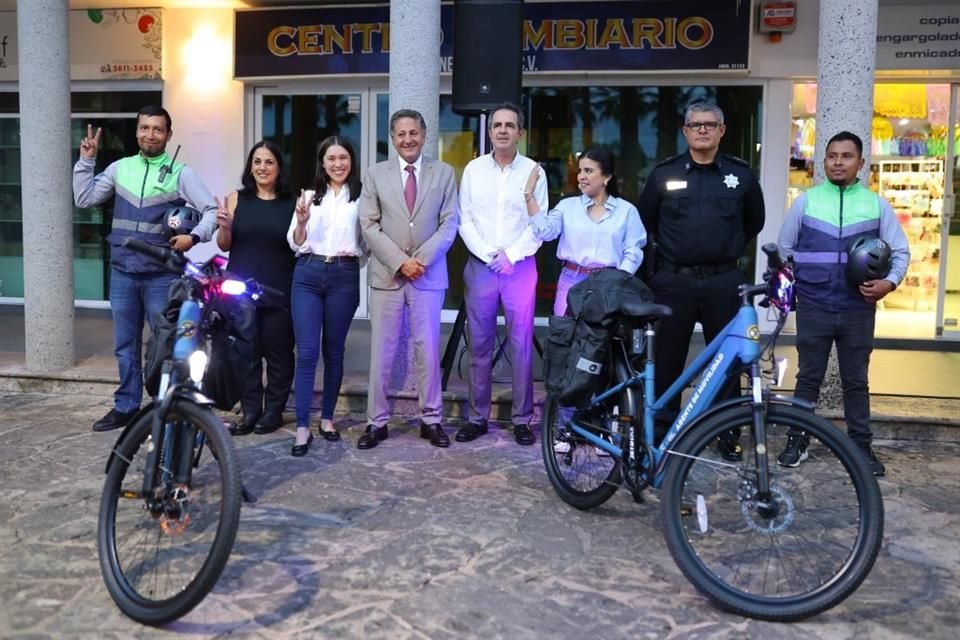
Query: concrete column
x=414 y=84
x=415 y=63
x=846 y=62
x=43 y=54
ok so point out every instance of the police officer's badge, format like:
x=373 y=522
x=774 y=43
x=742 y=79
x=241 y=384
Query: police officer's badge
x=731 y=181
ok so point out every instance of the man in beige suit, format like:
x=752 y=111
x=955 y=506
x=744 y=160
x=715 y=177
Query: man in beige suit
x=408 y=216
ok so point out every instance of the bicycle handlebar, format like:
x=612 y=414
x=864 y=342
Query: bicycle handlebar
x=276 y=293
x=774 y=261
x=176 y=262
x=172 y=260
x=775 y=265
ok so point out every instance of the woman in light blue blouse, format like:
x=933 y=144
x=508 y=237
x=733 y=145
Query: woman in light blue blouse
x=597 y=229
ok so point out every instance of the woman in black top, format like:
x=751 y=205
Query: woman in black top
x=253 y=228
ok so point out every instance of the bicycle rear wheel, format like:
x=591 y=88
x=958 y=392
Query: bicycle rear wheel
x=806 y=552
x=581 y=474
x=161 y=553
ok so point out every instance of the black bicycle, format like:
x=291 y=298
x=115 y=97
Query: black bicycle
x=171 y=501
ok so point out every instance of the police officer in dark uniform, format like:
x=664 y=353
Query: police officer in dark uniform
x=702 y=207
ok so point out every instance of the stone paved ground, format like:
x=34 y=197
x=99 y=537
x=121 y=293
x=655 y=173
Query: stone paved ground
x=408 y=541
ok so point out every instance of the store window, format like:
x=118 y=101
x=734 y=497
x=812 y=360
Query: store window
x=907 y=167
x=115 y=114
x=299 y=123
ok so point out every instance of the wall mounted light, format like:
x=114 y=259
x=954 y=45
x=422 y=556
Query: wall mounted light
x=206 y=60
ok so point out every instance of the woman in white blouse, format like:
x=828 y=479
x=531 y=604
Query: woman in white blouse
x=325 y=234
x=597 y=229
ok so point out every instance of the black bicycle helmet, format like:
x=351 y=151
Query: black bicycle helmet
x=180 y=220
x=868 y=259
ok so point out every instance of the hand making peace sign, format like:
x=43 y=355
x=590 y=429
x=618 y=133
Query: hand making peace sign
x=90 y=144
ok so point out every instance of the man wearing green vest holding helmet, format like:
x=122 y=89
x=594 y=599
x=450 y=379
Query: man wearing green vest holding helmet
x=837 y=290
x=144 y=187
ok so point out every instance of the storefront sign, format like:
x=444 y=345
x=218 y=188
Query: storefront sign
x=105 y=44
x=919 y=37
x=652 y=35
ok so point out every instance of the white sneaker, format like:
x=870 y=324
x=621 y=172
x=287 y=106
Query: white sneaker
x=561 y=447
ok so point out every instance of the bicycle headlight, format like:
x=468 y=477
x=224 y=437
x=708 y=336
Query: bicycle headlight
x=233 y=287
x=198 y=365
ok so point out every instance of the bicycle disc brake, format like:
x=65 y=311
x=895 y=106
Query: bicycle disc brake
x=175 y=518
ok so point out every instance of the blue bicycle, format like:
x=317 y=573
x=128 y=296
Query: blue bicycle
x=170 y=506
x=758 y=539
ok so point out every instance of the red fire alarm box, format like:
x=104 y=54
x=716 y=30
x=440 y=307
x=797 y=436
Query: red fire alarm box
x=777 y=17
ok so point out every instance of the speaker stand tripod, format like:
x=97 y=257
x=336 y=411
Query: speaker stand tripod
x=453 y=345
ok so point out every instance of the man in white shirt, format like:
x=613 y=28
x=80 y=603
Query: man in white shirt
x=501 y=269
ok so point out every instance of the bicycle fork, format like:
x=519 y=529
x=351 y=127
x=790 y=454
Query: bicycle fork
x=763 y=497
x=169 y=466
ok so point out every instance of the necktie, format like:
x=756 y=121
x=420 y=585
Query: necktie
x=410 y=188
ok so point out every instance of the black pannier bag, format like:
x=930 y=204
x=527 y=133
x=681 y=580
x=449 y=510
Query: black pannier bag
x=231 y=351
x=231 y=347
x=574 y=364
x=576 y=361
x=164 y=334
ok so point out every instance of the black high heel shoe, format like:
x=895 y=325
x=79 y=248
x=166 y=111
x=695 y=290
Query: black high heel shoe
x=300 y=450
x=329 y=436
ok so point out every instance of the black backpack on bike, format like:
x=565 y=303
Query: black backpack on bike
x=575 y=364
x=231 y=347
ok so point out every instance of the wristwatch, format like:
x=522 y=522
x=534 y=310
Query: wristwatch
x=195 y=239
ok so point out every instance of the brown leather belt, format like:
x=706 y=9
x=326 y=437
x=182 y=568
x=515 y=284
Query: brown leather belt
x=573 y=266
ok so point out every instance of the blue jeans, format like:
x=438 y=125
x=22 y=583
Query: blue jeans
x=323 y=299
x=852 y=331
x=134 y=296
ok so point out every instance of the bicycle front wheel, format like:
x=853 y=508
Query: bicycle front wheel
x=582 y=475
x=163 y=549
x=799 y=553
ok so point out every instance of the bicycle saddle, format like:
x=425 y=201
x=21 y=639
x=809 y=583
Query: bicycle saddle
x=639 y=309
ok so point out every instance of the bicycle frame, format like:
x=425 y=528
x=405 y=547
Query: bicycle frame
x=736 y=345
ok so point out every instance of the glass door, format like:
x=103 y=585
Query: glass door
x=948 y=303
x=299 y=119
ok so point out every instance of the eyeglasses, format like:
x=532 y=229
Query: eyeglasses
x=706 y=126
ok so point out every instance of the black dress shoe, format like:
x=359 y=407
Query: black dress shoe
x=244 y=427
x=269 y=423
x=299 y=450
x=522 y=434
x=374 y=436
x=471 y=431
x=434 y=433
x=329 y=436
x=114 y=420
